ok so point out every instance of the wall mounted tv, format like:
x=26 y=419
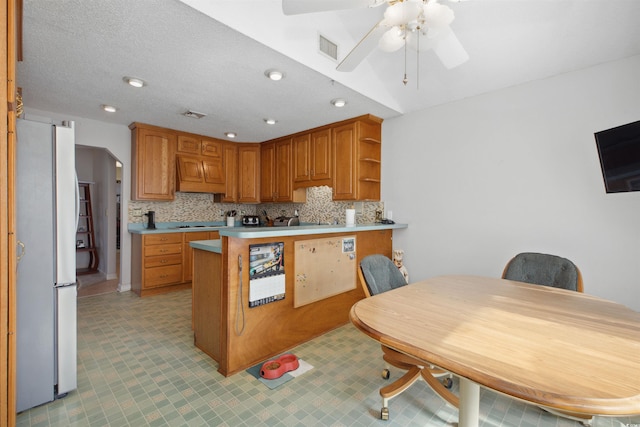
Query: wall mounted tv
x=619 y=151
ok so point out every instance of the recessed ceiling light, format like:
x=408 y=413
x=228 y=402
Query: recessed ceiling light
x=274 y=74
x=230 y=134
x=270 y=121
x=109 y=108
x=338 y=102
x=134 y=81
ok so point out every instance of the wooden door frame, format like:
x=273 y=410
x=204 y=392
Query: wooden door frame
x=8 y=46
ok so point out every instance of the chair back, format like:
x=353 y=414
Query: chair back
x=544 y=269
x=379 y=274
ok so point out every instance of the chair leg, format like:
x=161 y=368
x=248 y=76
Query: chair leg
x=439 y=388
x=397 y=387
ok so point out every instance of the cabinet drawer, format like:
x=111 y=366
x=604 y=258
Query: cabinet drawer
x=168 y=249
x=161 y=261
x=197 y=235
x=162 y=239
x=160 y=276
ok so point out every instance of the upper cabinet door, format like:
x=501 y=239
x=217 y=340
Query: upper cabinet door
x=267 y=172
x=284 y=185
x=312 y=159
x=231 y=173
x=212 y=160
x=344 y=162
x=189 y=144
x=248 y=173
x=321 y=156
x=154 y=164
x=302 y=158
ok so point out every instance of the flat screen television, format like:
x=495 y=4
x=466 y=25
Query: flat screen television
x=619 y=152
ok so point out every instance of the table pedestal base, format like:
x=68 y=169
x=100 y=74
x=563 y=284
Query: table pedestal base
x=469 y=410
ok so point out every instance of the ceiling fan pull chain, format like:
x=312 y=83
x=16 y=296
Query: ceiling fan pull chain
x=405 y=80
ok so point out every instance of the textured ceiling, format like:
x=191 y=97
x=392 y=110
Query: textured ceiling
x=76 y=53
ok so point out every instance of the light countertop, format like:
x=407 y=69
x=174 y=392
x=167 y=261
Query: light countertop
x=300 y=230
x=208 y=245
x=258 y=232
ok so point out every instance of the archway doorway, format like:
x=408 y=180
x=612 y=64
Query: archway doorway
x=103 y=172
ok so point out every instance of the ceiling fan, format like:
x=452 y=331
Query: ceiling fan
x=418 y=24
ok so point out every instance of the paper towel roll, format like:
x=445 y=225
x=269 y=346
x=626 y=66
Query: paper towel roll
x=351 y=217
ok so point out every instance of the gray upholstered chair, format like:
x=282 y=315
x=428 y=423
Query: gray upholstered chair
x=543 y=269
x=547 y=270
x=379 y=274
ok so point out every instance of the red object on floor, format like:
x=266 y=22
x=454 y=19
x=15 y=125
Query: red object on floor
x=276 y=368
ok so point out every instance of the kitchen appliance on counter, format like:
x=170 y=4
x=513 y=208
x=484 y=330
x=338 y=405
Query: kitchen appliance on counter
x=286 y=221
x=251 y=221
x=47 y=204
x=151 y=220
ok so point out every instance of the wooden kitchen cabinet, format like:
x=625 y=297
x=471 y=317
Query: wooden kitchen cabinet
x=163 y=262
x=200 y=164
x=357 y=159
x=242 y=174
x=153 y=162
x=276 y=170
x=312 y=159
x=230 y=156
x=157 y=263
x=267 y=171
x=248 y=173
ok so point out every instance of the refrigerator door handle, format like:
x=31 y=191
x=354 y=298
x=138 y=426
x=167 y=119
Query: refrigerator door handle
x=77 y=200
x=22 y=250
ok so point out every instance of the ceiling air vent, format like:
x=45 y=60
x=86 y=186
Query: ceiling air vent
x=328 y=47
x=193 y=114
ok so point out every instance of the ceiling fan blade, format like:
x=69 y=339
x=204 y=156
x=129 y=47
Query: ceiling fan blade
x=296 y=7
x=363 y=48
x=449 y=49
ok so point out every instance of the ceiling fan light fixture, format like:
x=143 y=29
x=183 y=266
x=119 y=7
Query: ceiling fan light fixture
x=392 y=40
x=135 y=82
x=274 y=75
x=437 y=15
x=338 y=102
x=402 y=13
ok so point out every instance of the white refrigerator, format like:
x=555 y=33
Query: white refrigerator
x=47 y=213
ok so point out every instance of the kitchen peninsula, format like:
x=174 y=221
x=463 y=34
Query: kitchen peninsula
x=258 y=292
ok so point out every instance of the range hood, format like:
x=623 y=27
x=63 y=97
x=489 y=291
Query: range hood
x=199 y=174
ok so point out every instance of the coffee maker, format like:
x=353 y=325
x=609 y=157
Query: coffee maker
x=151 y=220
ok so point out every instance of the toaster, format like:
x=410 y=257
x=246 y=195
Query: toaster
x=251 y=221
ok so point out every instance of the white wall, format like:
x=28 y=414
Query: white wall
x=116 y=139
x=516 y=170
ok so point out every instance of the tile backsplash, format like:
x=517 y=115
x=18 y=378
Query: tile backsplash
x=200 y=207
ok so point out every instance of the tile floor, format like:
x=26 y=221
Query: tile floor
x=138 y=367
